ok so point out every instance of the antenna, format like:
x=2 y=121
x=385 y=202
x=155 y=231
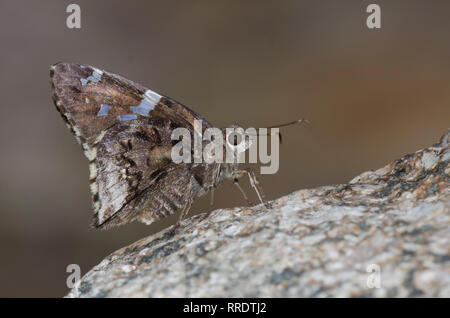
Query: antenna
x=298 y=121
x=291 y=123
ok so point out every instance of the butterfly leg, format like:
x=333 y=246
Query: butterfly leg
x=212 y=196
x=236 y=182
x=185 y=211
x=190 y=195
x=254 y=183
x=183 y=214
x=213 y=182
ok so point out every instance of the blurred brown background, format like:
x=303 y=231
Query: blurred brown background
x=372 y=95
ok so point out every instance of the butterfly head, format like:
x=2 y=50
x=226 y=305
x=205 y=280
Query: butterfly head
x=237 y=140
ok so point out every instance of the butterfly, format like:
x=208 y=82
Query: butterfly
x=125 y=131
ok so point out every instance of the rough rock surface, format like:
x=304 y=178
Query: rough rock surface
x=394 y=221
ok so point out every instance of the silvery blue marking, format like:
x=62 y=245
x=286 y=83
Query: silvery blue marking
x=144 y=107
x=95 y=77
x=127 y=117
x=147 y=103
x=86 y=100
x=104 y=109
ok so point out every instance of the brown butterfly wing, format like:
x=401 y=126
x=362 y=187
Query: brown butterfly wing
x=134 y=177
x=124 y=129
x=91 y=100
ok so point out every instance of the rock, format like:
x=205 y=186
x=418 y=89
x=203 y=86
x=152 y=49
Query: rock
x=388 y=228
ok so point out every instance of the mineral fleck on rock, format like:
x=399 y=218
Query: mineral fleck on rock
x=385 y=233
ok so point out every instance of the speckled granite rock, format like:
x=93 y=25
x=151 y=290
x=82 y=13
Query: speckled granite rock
x=312 y=243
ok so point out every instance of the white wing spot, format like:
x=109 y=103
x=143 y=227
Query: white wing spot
x=92 y=171
x=89 y=153
x=99 y=137
x=152 y=96
x=94 y=188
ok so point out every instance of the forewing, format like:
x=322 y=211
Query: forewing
x=124 y=129
x=91 y=100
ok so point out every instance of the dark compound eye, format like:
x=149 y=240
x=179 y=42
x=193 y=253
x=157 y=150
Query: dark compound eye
x=234 y=139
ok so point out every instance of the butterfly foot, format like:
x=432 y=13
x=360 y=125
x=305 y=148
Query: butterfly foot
x=173 y=229
x=268 y=205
